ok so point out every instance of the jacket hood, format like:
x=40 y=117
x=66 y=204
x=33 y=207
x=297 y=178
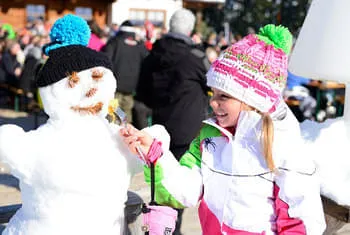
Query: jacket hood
x=168 y=50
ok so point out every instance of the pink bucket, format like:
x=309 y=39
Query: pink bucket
x=159 y=220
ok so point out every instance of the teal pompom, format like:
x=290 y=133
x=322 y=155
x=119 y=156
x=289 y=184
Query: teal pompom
x=279 y=36
x=68 y=30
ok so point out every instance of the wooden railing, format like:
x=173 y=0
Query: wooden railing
x=334 y=210
x=15 y=93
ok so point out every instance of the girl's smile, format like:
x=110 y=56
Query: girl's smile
x=226 y=108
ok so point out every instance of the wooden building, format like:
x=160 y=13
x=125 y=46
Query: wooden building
x=156 y=11
x=19 y=12
x=200 y=4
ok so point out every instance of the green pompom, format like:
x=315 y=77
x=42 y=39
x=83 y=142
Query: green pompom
x=278 y=36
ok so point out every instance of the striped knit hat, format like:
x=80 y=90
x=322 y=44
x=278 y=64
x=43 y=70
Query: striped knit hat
x=254 y=70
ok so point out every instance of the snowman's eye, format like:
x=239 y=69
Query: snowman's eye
x=97 y=74
x=73 y=79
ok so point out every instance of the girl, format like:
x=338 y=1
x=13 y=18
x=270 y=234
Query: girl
x=246 y=166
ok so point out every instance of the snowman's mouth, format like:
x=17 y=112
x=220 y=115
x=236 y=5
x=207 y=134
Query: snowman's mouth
x=92 y=109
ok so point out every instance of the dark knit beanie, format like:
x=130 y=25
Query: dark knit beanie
x=68 y=52
x=127 y=23
x=65 y=60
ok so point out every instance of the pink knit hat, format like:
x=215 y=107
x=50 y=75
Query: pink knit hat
x=254 y=70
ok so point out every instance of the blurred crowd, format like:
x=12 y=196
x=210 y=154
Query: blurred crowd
x=21 y=50
x=21 y=57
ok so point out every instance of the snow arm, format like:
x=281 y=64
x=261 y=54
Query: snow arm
x=14 y=147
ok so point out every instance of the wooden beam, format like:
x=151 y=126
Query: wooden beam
x=332 y=209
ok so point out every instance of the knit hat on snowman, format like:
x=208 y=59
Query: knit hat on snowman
x=74 y=79
x=254 y=70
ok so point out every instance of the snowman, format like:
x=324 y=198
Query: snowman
x=74 y=170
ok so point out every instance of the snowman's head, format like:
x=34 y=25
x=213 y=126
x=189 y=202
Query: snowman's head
x=87 y=92
x=75 y=79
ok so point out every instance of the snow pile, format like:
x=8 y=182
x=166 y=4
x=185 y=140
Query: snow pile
x=329 y=146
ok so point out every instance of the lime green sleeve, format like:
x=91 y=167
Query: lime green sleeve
x=163 y=178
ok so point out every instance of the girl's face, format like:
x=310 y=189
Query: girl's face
x=225 y=108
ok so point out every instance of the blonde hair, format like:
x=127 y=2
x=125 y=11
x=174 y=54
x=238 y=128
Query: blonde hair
x=267 y=140
x=267 y=136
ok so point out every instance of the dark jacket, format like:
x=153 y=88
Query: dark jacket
x=126 y=55
x=27 y=80
x=8 y=65
x=173 y=84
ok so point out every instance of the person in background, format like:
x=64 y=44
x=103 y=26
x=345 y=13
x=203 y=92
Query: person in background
x=296 y=89
x=113 y=30
x=246 y=166
x=211 y=41
x=32 y=63
x=150 y=35
x=197 y=38
x=7 y=31
x=95 y=41
x=35 y=40
x=10 y=67
x=173 y=84
x=212 y=54
x=141 y=113
x=127 y=55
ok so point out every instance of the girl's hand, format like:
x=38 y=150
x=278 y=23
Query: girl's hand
x=135 y=138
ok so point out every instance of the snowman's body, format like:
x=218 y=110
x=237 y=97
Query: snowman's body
x=328 y=144
x=74 y=171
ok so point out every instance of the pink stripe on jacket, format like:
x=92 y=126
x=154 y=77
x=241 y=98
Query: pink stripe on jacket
x=285 y=225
